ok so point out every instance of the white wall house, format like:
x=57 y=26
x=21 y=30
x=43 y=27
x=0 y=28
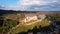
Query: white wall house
x=32 y=18
x=29 y=18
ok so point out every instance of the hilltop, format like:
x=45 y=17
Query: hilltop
x=21 y=21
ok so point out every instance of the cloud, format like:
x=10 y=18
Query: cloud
x=39 y=4
x=29 y=2
x=35 y=5
x=52 y=7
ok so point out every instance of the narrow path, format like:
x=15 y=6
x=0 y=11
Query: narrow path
x=14 y=28
x=24 y=24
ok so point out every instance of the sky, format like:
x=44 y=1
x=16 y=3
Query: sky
x=30 y=5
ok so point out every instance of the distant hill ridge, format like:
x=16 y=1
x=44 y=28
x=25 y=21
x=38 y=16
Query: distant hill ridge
x=12 y=11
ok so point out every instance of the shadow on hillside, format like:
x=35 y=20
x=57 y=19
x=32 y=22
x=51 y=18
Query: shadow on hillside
x=35 y=30
x=51 y=29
